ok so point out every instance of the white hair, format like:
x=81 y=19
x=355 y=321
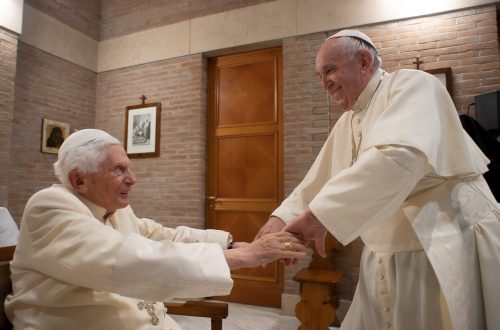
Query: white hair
x=84 y=156
x=352 y=46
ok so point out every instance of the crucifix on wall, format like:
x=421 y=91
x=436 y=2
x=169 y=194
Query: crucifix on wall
x=418 y=62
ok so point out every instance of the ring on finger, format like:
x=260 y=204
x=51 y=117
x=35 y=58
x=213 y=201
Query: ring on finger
x=289 y=246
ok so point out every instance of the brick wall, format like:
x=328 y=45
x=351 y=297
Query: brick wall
x=8 y=55
x=46 y=87
x=121 y=17
x=83 y=16
x=466 y=41
x=170 y=188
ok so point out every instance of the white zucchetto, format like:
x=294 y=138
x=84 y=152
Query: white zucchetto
x=81 y=137
x=354 y=34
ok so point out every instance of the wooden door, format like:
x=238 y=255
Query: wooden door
x=244 y=160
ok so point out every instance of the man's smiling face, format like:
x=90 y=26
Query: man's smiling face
x=341 y=75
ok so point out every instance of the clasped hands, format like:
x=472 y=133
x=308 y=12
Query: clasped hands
x=305 y=228
x=275 y=240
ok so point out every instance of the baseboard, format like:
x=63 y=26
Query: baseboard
x=288 y=302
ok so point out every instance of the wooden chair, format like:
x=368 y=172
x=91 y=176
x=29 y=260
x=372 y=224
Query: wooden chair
x=6 y=254
x=216 y=311
x=318 y=304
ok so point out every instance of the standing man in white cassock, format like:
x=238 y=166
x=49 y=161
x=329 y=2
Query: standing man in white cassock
x=399 y=171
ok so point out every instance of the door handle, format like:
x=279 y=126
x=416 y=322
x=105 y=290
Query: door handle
x=211 y=201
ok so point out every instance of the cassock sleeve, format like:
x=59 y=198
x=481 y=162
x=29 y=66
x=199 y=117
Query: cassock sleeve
x=155 y=231
x=69 y=244
x=167 y=269
x=369 y=191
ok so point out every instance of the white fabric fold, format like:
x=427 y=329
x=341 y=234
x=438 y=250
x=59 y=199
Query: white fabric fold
x=460 y=232
x=414 y=110
x=332 y=205
x=8 y=228
x=174 y=269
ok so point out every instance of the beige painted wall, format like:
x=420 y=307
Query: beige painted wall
x=260 y=23
x=11 y=15
x=48 y=34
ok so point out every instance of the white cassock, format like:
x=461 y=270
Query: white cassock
x=399 y=171
x=74 y=271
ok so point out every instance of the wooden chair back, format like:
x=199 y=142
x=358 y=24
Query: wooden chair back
x=216 y=311
x=6 y=255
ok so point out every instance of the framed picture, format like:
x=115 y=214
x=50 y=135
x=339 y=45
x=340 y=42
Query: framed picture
x=444 y=75
x=142 y=130
x=53 y=135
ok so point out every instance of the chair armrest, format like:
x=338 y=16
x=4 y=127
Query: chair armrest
x=7 y=253
x=200 y=308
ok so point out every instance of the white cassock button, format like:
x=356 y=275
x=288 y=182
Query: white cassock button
x=379 y=260
x=381 y=277
x=358 y=121
x=386 y=309
x=387 y=325
x=359 y=134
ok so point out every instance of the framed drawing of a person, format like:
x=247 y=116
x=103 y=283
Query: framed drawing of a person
x=53 y=135
x=142 y=130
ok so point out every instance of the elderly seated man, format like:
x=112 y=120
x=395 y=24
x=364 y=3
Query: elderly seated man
x=84 y=260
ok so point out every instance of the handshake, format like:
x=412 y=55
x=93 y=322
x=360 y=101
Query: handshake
x=276 y=240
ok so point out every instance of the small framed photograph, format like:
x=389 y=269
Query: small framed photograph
x=142 y=130
x=444 y=75
x=53 y=135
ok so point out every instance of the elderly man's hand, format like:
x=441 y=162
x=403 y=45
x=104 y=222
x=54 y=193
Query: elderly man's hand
x=270 y=247
x=308 y=228
x=273 y=225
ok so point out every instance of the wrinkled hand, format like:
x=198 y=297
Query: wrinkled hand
x=267 y=248
x=308 y=228
x=273 y=225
